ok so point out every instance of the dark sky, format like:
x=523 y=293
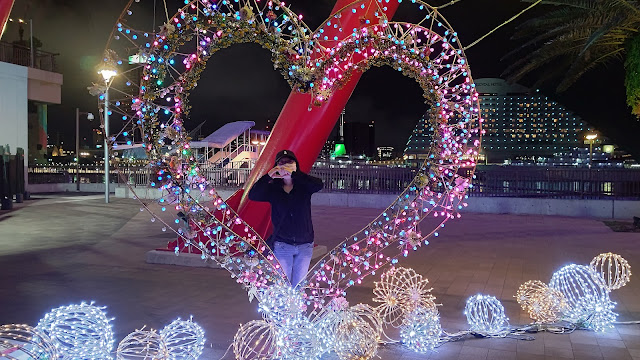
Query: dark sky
x=241 y=84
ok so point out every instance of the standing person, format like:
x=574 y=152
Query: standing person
x=289 y=191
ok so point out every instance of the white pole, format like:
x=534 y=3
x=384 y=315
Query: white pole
x=106 y=145
x=77 y=149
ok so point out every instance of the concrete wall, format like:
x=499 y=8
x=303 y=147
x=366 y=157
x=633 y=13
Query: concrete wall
x=605 y=209
x=44 y=86
x=61 y=188
x=563 y=207
x=13 y=107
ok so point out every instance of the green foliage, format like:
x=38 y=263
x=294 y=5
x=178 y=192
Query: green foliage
x=573 y=37
x=632 y=76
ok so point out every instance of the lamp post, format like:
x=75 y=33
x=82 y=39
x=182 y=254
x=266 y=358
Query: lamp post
x=590 y=139
x=107 y=75
x=31 y=49
x=89 y=117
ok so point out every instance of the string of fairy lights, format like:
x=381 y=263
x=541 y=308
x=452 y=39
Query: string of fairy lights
x=319 y=61
x=577 y=297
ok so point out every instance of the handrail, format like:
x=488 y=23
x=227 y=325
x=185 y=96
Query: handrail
x=566 y=183
x=21 y=55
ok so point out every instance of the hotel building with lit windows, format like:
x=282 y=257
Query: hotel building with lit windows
x=520 y=122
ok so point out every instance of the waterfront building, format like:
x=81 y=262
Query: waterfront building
x=523 y=122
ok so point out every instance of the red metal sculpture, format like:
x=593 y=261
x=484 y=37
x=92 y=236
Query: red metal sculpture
x=302 y=129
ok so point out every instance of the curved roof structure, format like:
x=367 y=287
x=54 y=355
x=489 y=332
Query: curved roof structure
x=223 y=136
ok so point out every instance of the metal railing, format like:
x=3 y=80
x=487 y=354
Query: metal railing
x=66 y=174
x=365 y=179
x=21 y=55
x=556 y=182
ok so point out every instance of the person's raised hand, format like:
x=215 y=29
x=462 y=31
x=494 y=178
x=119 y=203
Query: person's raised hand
x=290 y=167
x=275 y=173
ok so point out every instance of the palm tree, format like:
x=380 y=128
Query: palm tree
x=577 y=36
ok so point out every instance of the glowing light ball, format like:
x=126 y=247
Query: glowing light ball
x=421 y=329
x=281 y=303
x=18 y=341
x=587 y=296
x=328 y=319
x=485 y=315
x=527 y=290
x=399 y=291
x=79 y=331
x=255 y=340
x=615 y=270
x=544 y=304
x=142 y=344
x=184 y=339
x=357 y=335
x=298 y=340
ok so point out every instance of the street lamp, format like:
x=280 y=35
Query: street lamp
x=108 y=73
x=590 y=139
x=89 y=117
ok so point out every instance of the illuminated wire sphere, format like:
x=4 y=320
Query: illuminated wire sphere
x=328 y=319
x=255 y=340
x=399 y=291
x=542 y=303
x=358 y=334
x=142 y=344
x=184 y=339
x=18 y=341
x=527 y=290
x=485 y=315
x=79 y=331
x=587 y=297
x=281 y=303
x=615 y=270
x=421 y=329
x=298 y=340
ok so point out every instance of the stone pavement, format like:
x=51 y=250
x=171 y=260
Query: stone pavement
x=58 y=250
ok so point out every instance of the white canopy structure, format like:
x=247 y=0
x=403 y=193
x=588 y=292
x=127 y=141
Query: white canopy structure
x=224 y=136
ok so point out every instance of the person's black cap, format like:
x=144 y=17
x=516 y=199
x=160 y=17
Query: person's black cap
x=286 y=153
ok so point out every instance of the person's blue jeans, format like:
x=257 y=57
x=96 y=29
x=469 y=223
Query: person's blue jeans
x=294 y=259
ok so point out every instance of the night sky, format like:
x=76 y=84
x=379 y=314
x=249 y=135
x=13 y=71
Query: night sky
x=241 y=84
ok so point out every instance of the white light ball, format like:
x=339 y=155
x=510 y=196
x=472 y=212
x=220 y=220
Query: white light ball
x=587 y=297
x=485 y=315
x=79 y=331
x=20 y=341
x=615 y=270
x=255 y=340
x=184 y=339
x=281 y=303
x=142 y=344
x=421 y=330
x=356 y=337
x=298 y=340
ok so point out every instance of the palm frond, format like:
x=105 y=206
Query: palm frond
x=580 y=68
x=573 y=38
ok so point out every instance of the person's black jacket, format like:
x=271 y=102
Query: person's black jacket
x=290 y=213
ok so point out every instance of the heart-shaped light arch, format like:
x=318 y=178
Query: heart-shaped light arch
x=168 y=67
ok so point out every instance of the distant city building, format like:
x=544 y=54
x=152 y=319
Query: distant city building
x=359 y=139
x=419 y=143
x=521 y=122
x=385 y=152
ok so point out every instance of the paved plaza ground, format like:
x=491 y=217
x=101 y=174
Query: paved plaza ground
x=58 y=250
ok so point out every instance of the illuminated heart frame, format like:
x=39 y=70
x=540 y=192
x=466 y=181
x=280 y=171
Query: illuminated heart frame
x=158 y=70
